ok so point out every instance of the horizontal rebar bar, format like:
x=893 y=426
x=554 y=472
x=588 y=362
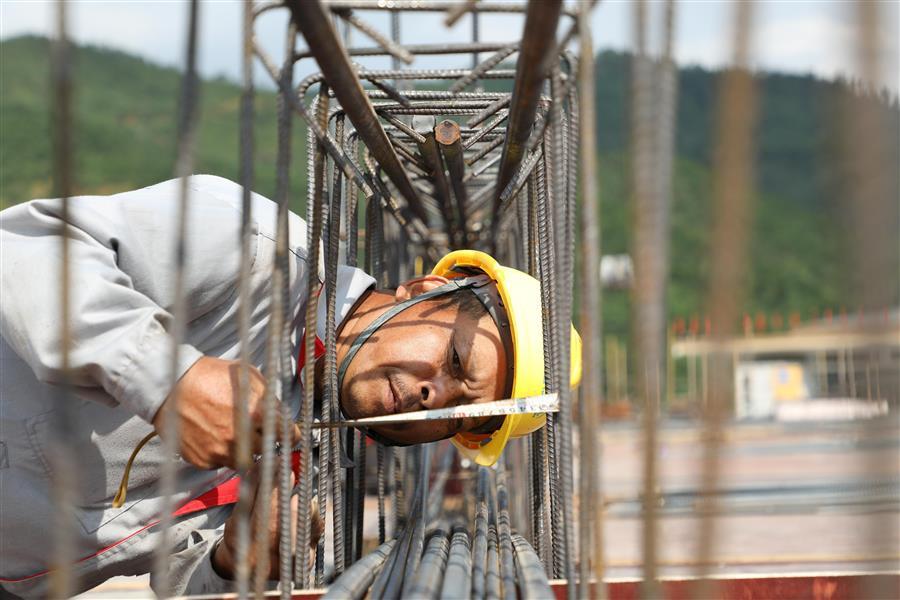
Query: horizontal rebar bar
x=530 y=574
x=355 y=581
x=427 y=581
x=458 y=574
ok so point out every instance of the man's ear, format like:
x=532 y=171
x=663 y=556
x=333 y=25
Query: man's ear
x=419 y=285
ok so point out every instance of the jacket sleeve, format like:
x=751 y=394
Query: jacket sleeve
x=122 y=250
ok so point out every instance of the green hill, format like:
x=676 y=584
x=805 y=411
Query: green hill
x=125 y=134
x=125 y=114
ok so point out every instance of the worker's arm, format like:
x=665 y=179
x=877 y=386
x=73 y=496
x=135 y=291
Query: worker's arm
x=122 y=283
x=206 y=562
x=224 y=556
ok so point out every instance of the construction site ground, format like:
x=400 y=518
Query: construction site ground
x=794 y=498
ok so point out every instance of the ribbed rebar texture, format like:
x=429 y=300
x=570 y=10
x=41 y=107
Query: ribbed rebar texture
x=184 y=166
x=355 y=581
x=732 y=212
x=458 y=574
x=64 y=468
x=243 y=456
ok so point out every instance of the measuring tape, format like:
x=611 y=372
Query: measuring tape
x=547 y=403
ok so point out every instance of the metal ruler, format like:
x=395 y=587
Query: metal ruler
x=546 y=403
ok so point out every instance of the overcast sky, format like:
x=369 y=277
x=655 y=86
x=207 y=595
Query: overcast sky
x=797 y=36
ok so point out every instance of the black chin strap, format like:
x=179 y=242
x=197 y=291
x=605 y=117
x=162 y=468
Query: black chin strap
x=478 y=284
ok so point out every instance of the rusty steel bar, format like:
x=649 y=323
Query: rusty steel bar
x=409 y=131
x=63 y=472
x=648 y=293
x=486 y=65
x=530 y=575
x=590 y=496
x=330 y=443
x=314 y=210
x=732 y=217
x=433 y=6
x=455 y=12
x=282 y=284
x=426 y=583
x=423 y=49
x=487 y=149
x=428 y=149
x=332 y=58
x=869 y=198
x=458 y=573
x=391 y=92
x=243 y=450
x=475 y=173
x=184 y=166
x=489 y=111
x=389 y=46
x=359 y=484
x=504 y=537
x=486 y=129
x=535 y=54
x=446 y=134
x=355 y=581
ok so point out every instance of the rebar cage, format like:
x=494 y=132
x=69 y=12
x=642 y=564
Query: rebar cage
x=440 y=167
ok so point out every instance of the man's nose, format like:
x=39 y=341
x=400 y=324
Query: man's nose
x=438 y=392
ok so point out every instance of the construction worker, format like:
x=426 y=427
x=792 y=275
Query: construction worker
x=470 y=332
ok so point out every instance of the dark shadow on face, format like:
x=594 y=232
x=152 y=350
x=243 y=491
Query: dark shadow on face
x=431 y=355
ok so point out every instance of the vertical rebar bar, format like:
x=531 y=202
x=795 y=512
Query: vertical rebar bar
x=187 y=131
x=504 y=537
x=381 y=481
x=650 y=183
x=243 y=455
x=480 y=538
x=282 y=327
x=732 y=218
x=591 y=522
x=870 y=200
x=359 y=483
x=63 y=475
x=562 y=225
x=329 y=444
x=313 y=236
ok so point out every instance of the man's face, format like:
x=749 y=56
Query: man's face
x=431 y=355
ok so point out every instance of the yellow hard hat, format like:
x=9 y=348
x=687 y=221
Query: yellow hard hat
x=521 y=297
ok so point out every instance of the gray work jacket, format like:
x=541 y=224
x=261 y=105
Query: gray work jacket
x=122 y=278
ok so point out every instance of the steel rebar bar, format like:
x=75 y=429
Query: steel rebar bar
x=458 y=574
x=322 y=39
x=63 y=477
x=732 y=210
x=590 y=496
x=355 y=581
x=447 y=136
x=426 y=583
x=535 y=54
x=187 y=132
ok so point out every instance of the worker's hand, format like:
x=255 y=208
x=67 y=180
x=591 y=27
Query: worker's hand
x=204 y=400
x=224 y=558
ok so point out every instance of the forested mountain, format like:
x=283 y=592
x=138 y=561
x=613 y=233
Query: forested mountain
x=126 y=110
